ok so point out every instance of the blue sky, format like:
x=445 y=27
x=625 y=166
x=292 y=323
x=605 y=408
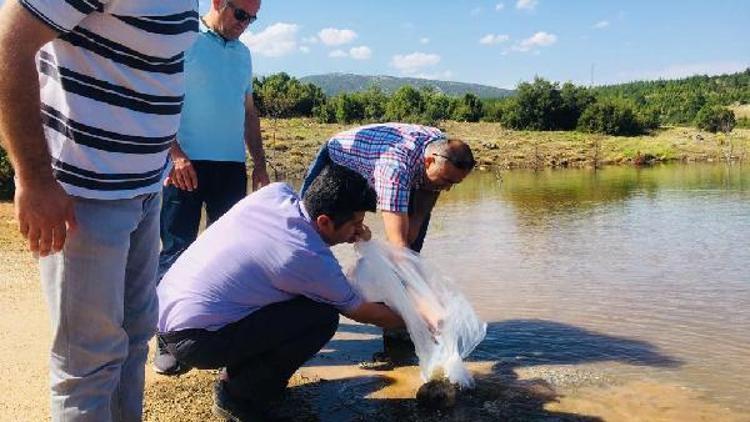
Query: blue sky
x=502 y=42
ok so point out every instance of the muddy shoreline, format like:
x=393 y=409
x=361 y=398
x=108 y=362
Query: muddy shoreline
x=291 y=145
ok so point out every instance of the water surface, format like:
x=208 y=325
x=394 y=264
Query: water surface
x=642 y=272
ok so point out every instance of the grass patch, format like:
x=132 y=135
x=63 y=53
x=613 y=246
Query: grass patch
x=292 y=144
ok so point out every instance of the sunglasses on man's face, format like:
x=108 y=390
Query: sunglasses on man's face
x=241 y=15
x=459 y=164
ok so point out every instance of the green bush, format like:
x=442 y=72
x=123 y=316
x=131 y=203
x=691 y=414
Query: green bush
x=468 y=109
x=6 y=175
x=574 y=100
x=534 y=107
x=439 y=107
x=280 y=95
x=494 y=109
x=349 y=108
x=406 y=104
x=373 y=102
x=325 y=112
x=612 y=117
x=715 y=119
x=543 y=105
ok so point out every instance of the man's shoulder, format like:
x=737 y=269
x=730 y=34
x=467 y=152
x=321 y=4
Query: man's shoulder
x=274 y=193
x=278 y=189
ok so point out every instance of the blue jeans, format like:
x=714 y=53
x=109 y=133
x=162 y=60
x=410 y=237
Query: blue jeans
x=101 y=294
x=221 y=184
x=322 y=159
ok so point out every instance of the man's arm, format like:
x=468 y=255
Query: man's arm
x=376 y=314
x=44 y=211
x=254 y=142
x=396 y=226
x=402 y=229
x=423 y=202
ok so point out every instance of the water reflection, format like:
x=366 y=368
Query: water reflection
x=568 y=190
x=655 y=254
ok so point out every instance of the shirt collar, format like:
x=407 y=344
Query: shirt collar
x=304 y=212
x=203 y=26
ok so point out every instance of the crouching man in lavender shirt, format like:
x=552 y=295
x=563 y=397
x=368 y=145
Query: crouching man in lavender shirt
x=260 y=292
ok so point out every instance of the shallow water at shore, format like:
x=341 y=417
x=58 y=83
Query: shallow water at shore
x=639 y=273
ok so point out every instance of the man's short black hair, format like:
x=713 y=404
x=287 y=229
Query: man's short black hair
x=339 y=192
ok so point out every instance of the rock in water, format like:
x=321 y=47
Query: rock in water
x=438 y=393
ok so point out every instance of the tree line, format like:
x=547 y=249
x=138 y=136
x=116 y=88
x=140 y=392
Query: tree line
x=541 y=105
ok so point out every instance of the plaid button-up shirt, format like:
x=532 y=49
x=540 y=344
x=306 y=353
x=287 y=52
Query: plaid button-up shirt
x=389 y=155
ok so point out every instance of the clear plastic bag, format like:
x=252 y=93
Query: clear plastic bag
x=440 y=320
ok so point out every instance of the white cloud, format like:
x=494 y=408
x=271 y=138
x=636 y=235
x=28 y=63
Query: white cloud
x=601 y=24
x=279 y=39
x=338 y=54
x=526 y=4
x=333 y=36
x=540 y=39
x=491 y=39
x=360 y=53
x=305 y=49
x=424 y=40
x=499 y=7
x=414 y=62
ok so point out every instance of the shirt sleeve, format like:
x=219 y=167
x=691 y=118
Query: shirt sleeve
x=63 y=15
x=392 y=184
x=318 y=276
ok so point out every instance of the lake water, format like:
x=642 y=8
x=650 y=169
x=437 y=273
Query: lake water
x=643 y=272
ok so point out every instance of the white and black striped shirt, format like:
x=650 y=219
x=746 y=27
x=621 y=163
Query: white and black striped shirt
x=112 y=90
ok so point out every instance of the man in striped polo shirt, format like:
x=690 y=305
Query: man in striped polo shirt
x=88 y=126
x=408 y=165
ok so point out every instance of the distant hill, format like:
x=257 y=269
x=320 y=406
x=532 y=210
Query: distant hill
x=336 y=83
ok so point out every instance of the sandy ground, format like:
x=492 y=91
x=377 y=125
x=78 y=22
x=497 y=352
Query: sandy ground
x=333 y=387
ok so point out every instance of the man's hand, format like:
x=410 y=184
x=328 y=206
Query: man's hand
x=363 y=234
x=183 y=175
x=260 y=177
x=45 y=214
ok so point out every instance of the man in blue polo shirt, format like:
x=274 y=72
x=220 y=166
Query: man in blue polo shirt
x=219 y=120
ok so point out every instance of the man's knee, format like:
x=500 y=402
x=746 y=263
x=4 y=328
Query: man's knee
x=325 y=316
x=331 y=321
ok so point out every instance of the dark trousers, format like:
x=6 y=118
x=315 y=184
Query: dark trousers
x=220 y=185
x=260 y=351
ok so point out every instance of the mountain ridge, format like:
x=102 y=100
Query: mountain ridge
x=337 y=83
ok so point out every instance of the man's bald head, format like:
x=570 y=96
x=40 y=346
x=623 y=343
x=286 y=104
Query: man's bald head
x=453 y=151
x=447 y=163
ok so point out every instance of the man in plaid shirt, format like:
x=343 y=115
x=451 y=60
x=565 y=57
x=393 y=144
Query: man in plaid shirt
x=408 y=165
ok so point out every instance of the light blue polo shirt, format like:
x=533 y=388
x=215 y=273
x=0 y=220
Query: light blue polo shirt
x=218 y=76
